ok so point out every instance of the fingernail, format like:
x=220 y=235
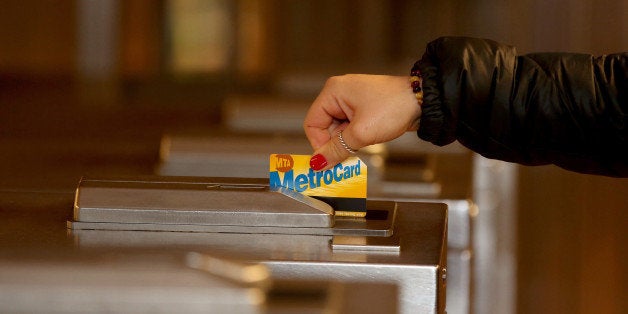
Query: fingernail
x=318 y=162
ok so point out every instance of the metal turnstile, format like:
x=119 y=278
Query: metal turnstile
x=296 y=237
x=245 y=153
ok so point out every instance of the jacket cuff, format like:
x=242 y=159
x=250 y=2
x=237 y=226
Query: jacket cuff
x=432 y=127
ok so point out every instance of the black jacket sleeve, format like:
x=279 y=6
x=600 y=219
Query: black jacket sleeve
x=547 y=108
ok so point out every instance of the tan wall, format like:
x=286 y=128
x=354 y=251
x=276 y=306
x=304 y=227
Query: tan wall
x=37 y=37
x=572 y=242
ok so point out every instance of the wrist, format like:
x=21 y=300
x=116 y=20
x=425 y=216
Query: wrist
x=412 y=105
x=416 y=82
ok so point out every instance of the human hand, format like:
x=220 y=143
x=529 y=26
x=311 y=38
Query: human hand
x=367 y=109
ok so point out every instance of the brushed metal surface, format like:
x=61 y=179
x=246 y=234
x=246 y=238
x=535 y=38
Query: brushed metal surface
x=204 y=202
x=136 y=284
x=176 y=283
x=460 y=254
x=367 y=244
x=417 y=269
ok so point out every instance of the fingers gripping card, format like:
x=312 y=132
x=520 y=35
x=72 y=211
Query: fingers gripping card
x=343 y=186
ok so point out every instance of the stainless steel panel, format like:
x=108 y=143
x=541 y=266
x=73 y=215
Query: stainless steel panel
x=461 y=214
x=459 y=279
x=176 y=283
x=410 y=280
x=459 y=252
x=202 y=202
x=133 y=284
x=414 y=275
x=366 y=244
x=331 y=297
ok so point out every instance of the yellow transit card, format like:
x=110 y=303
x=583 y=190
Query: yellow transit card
x=343 y=186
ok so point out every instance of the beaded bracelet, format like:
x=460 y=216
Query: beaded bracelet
x=416 y=82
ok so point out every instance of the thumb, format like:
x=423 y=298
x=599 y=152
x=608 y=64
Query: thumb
x=336 y=150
